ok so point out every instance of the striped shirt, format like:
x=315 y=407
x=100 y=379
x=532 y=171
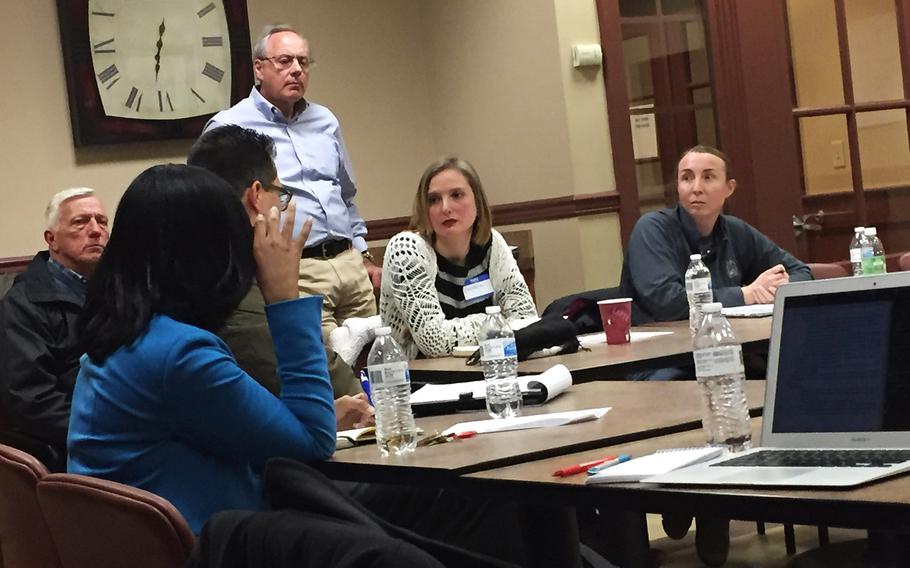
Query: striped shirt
x=450 y=281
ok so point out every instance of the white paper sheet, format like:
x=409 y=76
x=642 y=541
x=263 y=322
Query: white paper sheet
x=753 y=311
x=527 y=422
x=597 y=338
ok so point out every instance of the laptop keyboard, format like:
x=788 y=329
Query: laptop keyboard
x=819 y=458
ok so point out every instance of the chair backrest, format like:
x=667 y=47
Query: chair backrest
x=821 y=270
x=95 y=522
x=24 y=537
x=904 y=261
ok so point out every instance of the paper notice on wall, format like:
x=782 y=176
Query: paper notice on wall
x=644 y=135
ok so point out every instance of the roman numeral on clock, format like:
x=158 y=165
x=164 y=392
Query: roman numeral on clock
x=164 y=99
x=110 y=73
x=201 y=13
x=134 y=97
x=104 y=46
x=213 y=73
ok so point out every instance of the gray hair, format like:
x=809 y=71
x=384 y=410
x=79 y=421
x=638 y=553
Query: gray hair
x=52 y=213
x=259 y=48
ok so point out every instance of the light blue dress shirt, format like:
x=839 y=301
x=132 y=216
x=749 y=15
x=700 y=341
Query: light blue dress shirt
x=312 y=158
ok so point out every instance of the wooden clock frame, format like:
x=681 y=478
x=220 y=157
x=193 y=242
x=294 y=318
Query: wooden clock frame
x=92 y=127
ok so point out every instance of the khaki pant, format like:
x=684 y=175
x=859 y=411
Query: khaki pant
x=343 y=283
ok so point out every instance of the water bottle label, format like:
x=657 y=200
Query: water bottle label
x=867 y=252
x=856 y=255
x=498 y=348
x=716 y=361
x=698 y=285
x=389 y=374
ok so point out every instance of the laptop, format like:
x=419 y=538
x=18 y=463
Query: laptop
x=837 y=398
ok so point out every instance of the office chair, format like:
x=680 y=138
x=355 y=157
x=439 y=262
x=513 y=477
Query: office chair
x=25 y=541
x=904 y=261
x=96 y=522
x=823 y=270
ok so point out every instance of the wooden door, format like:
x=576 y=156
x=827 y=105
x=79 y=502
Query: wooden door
x=813 y=97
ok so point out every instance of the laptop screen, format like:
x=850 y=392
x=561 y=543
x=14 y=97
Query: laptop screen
x=844 y=362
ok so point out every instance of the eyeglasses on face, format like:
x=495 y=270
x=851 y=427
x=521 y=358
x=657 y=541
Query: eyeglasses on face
x=284 y=194
x=284 y=61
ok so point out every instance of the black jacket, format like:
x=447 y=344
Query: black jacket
x=39 y=356
x=654 y=268
x=316 y=524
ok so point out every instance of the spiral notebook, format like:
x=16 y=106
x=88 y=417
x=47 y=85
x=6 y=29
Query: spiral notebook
x=661 y=461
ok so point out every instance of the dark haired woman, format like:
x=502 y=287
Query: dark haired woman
x=160 y=402
x=441 y=274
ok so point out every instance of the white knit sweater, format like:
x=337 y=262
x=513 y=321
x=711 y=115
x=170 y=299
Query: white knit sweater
x=409 y=305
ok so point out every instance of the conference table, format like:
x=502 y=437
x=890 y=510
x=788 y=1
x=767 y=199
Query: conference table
x=638 y=411
x=601 y=362
x=883 y=505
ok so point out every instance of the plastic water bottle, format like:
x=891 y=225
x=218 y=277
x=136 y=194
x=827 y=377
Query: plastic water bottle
x=873 y=253
x=720 y=372
x=390 y=385
x=698 y=290
x=856 y=250
x=499 y=357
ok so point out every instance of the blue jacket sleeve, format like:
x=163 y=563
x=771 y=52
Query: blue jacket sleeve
x=224 y=411
x=655 y=271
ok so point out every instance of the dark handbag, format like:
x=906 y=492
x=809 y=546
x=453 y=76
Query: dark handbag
x=542 y=334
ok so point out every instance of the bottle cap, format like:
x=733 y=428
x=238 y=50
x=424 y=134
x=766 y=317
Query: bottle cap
x=384 y=330
x=712 y=308
x=871 y=232
x=695 y=257
x=858 y=229
x=493 y=309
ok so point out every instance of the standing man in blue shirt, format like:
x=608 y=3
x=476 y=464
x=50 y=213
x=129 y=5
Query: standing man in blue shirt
x=314 y=164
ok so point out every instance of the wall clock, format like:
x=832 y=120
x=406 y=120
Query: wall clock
x=140 y=70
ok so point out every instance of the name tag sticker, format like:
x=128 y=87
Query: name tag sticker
x=478 y=286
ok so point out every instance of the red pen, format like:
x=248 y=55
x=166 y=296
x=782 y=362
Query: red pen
x=576 y=469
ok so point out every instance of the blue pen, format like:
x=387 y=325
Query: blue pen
x=365 y=383
x=605 y=465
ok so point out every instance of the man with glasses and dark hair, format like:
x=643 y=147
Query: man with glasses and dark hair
x=243 y=158
x=313 y=163
x=39 y=348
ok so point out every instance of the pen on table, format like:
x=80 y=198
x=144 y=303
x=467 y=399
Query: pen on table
x=579 y=468
x=609 y=463
x=365 y=383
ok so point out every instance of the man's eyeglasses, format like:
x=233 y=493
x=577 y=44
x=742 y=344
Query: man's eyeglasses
x=284 y=195
x=282 y=62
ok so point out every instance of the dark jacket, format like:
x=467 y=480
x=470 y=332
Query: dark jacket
x=316 y=524
x=247 y=335
x=39 y=355
x=654 y=268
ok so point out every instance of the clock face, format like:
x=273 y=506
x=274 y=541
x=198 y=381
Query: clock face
x=160 y=59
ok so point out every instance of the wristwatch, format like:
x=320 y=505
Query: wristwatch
x=368 y=255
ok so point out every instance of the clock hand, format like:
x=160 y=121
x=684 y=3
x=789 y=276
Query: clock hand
x=158 y=53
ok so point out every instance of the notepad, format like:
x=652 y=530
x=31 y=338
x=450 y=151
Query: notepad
x=358 y=437
x=662 y=461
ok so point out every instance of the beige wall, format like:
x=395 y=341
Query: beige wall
x=409 y=79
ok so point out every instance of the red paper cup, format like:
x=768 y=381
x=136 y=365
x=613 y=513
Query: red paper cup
x=616 y=316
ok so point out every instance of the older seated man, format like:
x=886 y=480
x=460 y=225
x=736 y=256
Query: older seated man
x=39 y=352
